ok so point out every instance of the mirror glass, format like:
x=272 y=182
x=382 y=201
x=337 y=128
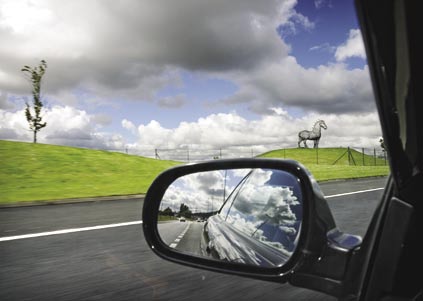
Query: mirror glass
x=247 y=216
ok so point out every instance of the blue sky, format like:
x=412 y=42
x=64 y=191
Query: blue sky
x=333 y=20
x=206 y=75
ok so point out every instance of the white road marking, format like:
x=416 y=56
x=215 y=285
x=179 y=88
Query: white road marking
x=354 y=192
x=178 y=239
x=172 y=245
x=66 y=231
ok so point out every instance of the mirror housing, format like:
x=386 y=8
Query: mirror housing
x=322 y=253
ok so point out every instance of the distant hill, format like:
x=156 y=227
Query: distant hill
x=43 y=172
x=334 y=163
x=326 y=156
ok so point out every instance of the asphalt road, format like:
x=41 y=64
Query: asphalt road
x=184 y=237
x=114 y=263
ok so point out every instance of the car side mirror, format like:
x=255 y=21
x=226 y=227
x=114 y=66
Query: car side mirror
x=260 y=218
x=251 y=216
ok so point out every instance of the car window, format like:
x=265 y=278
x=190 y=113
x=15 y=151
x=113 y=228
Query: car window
x=131 y=88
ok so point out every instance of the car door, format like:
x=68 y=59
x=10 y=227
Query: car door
x=393 y=250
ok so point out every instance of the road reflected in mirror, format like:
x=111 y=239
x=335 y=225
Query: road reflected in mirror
x=246 y=216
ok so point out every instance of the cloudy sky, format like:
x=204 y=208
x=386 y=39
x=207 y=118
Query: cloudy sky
x=140 y=75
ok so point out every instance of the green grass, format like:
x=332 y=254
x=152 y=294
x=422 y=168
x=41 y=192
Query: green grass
x=30 y=172
x=165 y=218
x=334 y=163
x=336 y=172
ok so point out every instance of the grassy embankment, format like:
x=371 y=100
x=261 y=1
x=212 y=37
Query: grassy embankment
x=321 y=162
x=30 y=172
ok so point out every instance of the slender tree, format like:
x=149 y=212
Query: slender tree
x=34 y=118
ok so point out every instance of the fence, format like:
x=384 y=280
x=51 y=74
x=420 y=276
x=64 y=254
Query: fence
x=350 y=155
x=192 y=155
x=364 y=156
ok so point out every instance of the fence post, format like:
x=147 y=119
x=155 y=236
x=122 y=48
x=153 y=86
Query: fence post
x=156 y=154
x=349 y=156
x=374 y=155
x=362 y=151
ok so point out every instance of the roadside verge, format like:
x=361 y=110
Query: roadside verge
x=73 y=200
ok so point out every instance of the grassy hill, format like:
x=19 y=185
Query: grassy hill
x=30 y=172
x=326 y=156
x=334 y=163
x=44 y=172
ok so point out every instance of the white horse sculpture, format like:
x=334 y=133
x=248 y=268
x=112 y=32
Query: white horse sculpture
x=314 y=134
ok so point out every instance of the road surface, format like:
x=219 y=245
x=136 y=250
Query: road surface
x=112 y=262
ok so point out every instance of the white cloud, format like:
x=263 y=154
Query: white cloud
x=269 y=132
x=172 y=102
x=353 y=47
x=322 y=3
x=156 y=42
x=325 y=89
x=13 y=126
x=21 y=16
x=325 y=47
x=202 y=192
x=132 y=48
x=290 y=21
x=129 y=125
x=97 y=59
x=231 y=133
x=102 y=119
x=5 y=104
x=65 y=126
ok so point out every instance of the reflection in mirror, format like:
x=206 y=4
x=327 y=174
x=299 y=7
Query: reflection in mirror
x=245 y=216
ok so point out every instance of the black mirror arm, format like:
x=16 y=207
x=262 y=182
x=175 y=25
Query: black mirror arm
x=328 y=253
